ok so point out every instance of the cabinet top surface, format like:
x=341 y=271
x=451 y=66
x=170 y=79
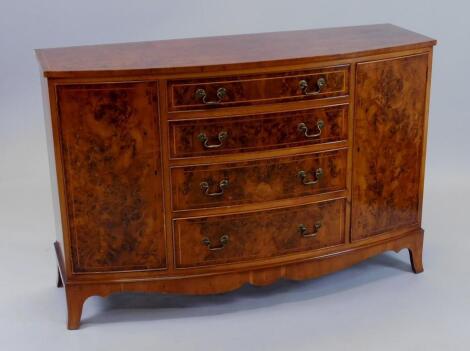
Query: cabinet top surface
x=227 y=52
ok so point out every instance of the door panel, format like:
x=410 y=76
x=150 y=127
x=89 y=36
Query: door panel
x=111 y=149
x=388 y=143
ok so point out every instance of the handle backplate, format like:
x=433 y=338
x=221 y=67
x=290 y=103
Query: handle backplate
x=302 y=128
x=223 y=240
x=321 y=83
x=222 y=137
x=303 y=177
x=223 y=184
x=202 y=94
x=304 y=231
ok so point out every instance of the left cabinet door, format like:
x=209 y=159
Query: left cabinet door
x=109 y=135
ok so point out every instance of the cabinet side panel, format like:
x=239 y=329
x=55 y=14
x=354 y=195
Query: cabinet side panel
x=112 y=167
x=390 y=108
x=48 y=97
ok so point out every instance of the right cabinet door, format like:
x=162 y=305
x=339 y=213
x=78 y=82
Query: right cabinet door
x=389 y=131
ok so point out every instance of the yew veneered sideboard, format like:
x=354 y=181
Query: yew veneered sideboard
x=199 y=165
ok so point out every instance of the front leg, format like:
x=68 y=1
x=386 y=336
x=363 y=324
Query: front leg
x=416 y=252
x=75 y=299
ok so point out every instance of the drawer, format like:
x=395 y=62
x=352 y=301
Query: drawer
x=207 y=241
x=258 y=132
x=202 y=93
x=227 y=184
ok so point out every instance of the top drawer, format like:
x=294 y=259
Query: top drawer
x=202 y=93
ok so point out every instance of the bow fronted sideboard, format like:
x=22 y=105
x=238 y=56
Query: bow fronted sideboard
x=199 y=165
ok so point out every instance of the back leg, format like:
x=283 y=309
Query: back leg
x=60 y=283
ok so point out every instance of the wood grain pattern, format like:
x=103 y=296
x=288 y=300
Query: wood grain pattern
x=227 y=52
x=231 y=280
x=388 y=137
x=258 y=235
x=257 y=89
x=257 y=181
x=124 y=133
x=258 y=132
x=112 y=172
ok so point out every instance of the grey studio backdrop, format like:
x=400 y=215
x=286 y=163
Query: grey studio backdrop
x=377 y=305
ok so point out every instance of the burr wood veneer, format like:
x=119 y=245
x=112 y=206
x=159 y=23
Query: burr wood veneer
x=199 y=165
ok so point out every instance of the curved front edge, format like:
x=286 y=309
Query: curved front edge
x=77 y=293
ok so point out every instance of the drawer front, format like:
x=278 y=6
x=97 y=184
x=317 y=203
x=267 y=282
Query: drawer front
x=257 y=89
x=235 y=238
x=258 y=132
x=229 y=184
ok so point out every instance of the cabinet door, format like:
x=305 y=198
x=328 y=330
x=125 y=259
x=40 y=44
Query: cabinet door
x=390 y=112
x=113 y=184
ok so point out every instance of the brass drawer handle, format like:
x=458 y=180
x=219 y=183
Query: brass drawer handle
x=318 y=175
x=302 y=127
x=201 y=94
x=223 y=241
x=222 y=185
x=321 y=83
x=303 y=230
x=205 y=140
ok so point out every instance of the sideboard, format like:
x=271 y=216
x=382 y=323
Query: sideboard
x=199 y=165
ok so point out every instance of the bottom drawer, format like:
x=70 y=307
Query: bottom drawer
x=215 y=240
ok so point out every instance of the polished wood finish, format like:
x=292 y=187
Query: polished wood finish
x=258 y=89
x=259 y=132
x=228 y=52
x=257 y=181
x=388 y=138
x=131 y=141
x=260 y=234
x=234 y=279
x=112 y=167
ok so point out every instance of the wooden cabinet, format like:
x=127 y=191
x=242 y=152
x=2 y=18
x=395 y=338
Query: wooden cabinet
x=196 y=166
